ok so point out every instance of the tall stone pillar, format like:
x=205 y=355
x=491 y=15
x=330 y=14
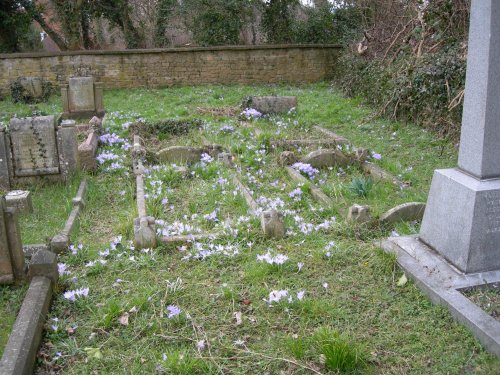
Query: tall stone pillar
x=462 y=218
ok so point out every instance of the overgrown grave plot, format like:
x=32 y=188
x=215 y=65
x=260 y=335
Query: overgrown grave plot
x=351 y=176
x=396 y=328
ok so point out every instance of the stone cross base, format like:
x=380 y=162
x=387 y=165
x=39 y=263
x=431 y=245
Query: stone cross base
x=462 y=220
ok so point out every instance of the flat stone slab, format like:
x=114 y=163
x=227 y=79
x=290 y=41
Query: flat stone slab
x=443 y=282
x=180 y=154
x=378 y=173
x=271 y=104
x=413 y=211
x=326 y=158
x=19 y=200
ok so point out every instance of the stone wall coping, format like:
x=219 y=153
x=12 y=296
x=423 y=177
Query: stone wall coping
x=169 y=50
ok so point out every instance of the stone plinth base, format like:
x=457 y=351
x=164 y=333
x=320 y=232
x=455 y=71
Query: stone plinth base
x=462 y=220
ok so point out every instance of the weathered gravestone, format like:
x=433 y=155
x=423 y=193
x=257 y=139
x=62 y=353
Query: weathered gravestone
x=271 y=104
x=34 y=147
x=82 y=97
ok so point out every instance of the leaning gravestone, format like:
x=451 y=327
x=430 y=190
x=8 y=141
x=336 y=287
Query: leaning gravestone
x=82 y=97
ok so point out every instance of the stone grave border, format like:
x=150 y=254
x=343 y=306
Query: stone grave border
x=26 y=335
x=443 y=284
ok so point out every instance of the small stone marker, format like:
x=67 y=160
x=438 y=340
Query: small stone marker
x=180 y=154
x=271 y=104
x=272 y=224
x=34 y=146
x=359 y=214
x=144 y=232
x=326 y=158
x=20 y=200
x=413 y=211
x=287 y=158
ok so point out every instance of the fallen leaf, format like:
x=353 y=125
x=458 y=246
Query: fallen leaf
x=93 y=352
x=246 y=302
x=124 y=319
x=402 y=280
x=133 y=310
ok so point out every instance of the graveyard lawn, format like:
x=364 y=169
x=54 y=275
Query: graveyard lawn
x=322 y=299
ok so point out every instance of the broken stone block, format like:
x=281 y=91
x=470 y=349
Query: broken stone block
x=326 y=158
x=144 y=233
x=273 y=225
x=413 y=211
x=19 y=200
x=226 y=158
x=44 y=263
x=96 y=124
x=359 y=214
x=87 y=152
x=271 y=104
x=180 y=154
x=287 y=158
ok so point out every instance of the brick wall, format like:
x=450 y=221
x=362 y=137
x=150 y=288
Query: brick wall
x=180 y=66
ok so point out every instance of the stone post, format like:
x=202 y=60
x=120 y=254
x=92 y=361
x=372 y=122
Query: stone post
x=4 y=162
x=98 y=98
x=68 y=147
x=6 y=272
x=65 y=98
x=15 y=243
x=462 y=218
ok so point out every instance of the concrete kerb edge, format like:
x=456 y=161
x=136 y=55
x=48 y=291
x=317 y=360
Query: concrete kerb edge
x=484 y=327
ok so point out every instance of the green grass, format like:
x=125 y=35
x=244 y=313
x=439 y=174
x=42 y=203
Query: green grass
x=353 y=317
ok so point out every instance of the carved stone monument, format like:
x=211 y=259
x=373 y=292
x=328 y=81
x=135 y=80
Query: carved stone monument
x=34 y=147
x=459 y=243
x=272 y=224
x=462 y=218
x=82 y=97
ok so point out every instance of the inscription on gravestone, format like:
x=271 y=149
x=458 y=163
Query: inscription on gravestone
x=34 y=146
x=492 y=199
